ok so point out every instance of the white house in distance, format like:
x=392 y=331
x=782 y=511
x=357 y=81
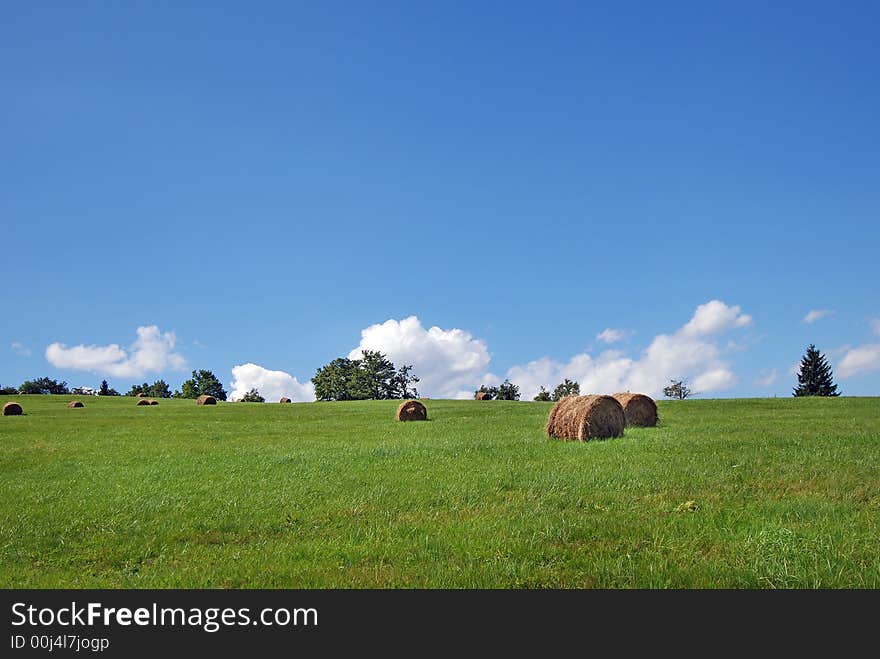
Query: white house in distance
x=84 y=391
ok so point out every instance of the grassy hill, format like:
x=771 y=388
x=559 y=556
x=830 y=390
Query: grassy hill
x=725 y=493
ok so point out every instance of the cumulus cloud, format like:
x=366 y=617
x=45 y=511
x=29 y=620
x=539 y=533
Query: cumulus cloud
x=20 y=349
x=858 y=360
x=152 y=351
x=690 y=353
x=611 y=335
x=272 y=385
x=767 y=378
x=816 y=314
x=450 y=362
x=715 y=317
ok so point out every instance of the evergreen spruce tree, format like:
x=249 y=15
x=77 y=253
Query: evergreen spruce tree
x=815 y=377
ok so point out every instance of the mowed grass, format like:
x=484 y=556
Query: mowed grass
x=725 y=493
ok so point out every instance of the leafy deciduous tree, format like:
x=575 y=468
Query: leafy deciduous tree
x=566 y=388
x=43 y=386
x=202 y=383
x=253 y=396
x=543 y=395
x=507 y=391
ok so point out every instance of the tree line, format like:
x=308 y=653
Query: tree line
x=201 y=382
x=375 y=377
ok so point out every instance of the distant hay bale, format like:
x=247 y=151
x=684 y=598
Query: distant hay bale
x=11 y=409
x=412 y=410
x=142 y=395
x=586 y=417
x=639 y=409
x=285 y=399
x=154 y=402
x=75 y=403
x=205 y=399
x=143 y=401
x=482 y=395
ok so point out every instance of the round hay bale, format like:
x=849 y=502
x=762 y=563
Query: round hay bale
x=75 y=403
x=11 y=409
x=143 y=401
x=205 y=399
x=142 y=395
x=482 y=395
x=285 y=399
x=560 y=408
x=639 y=409
x=586 y=417
x=412 y=410
x=154 y=402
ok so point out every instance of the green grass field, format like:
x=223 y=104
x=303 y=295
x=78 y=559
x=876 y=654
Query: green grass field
x=785 y=492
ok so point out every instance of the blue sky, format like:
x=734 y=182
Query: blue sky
x=265 y=185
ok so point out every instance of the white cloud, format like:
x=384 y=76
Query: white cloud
x=816 y=314
x=611 y=335
x=449 y=362
x=717 y=378
x=272 y=385
x=152 y=351
x=861 y=359
x=20 y=349
x=767 y=378
x=688 y=353
x=715 y=317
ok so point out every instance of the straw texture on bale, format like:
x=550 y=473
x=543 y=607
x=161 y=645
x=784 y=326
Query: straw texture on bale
x=482 y=395
x=586 y=417
x=284 y=399
x=142 y=395
x=154 y=402
x=75 y=403
x=205 y=399
x=639 y=409
x=11 y=409
x=412 y=410
x=143 y=401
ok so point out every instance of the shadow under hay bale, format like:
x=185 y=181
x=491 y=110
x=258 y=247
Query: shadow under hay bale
x=12 y=409
x=285 y=399
x=586 y=417
x=205 y=399
x=639 y=409
x=482 y=395
x=143 y=401
x=412 y=410
x=75 y=403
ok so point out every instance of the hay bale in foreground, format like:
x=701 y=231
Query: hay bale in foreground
x=154 y=402
x=12 y=409
x=639 y=409
x=586 y=417
x=482 y=395
x=75 y=403
x=559 y=410
x=143 y=401
x=205 y=399
x=285 y=399
x=412 y=410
